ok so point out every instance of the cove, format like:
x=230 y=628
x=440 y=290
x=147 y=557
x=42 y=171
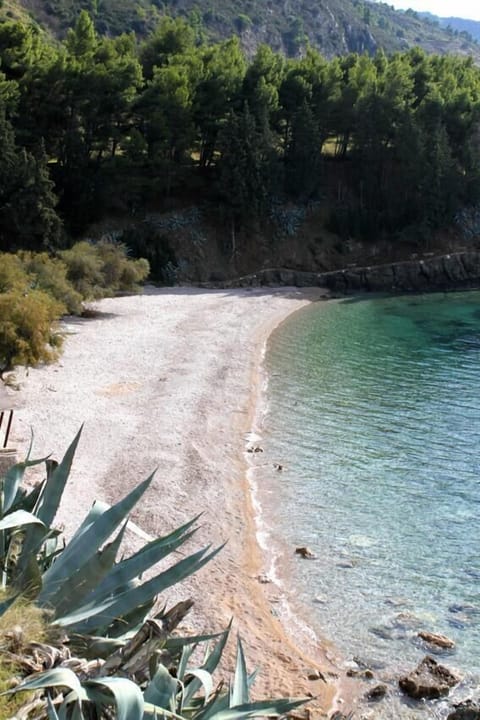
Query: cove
x=373 y=412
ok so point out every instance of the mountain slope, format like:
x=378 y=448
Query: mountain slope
x=459 y=25
x=334 y=26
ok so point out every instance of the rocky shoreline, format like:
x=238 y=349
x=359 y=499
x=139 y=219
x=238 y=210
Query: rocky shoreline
x=453 y=271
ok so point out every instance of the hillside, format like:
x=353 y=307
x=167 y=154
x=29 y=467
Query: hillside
x=470 y=29
x=335 y=27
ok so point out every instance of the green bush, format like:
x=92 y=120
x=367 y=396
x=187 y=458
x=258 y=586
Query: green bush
x=27 y=328
x=84 y=270
x=50 y=275
x=12 y=274
x=97 y=271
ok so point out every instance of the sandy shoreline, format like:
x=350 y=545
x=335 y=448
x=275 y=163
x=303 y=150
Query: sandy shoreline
x=168 y=379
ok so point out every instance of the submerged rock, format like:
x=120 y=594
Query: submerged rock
x=467 y=710
x=440 y=641
x=376 y=693
x=305 y=552
x=429 y=680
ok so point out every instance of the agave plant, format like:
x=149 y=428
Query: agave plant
x=81 y=584
x=189 y=695
x=115 y=652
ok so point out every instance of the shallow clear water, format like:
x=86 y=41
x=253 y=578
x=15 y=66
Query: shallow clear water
x=374 y=414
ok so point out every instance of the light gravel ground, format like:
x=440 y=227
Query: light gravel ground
x=167 y=380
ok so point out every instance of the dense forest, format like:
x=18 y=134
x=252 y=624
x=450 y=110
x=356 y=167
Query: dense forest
x=92 y=127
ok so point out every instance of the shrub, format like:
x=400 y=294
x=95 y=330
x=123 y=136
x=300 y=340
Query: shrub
x=50 y=275
x=27 y=334
x=103 y=269
x=119 y=271
x=12 y=274
x=84 y=269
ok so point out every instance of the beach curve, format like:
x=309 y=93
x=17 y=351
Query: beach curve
x=168 y=379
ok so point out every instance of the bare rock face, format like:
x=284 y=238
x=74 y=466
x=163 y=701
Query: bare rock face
x=429 y=680
x=467 y=710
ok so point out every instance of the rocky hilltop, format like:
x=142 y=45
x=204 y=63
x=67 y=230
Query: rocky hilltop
x=335 y=27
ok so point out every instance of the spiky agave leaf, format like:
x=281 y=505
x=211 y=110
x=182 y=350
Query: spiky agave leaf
x=86 y=542
x=94 y=619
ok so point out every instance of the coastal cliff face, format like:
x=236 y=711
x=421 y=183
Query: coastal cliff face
x=445 y=272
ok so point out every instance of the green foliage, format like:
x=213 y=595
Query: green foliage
x=27 y=328
x=49 y=274
x=112 y=127
x=102 y=269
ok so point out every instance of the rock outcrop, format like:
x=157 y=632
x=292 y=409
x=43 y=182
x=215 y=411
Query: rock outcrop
x=467 y=710
x=445 y=272
x=429 y=680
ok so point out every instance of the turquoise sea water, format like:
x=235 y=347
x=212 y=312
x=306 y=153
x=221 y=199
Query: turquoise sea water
x=373 y=410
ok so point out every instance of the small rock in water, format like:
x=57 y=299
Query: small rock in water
x=346 y=564
x=254 y=449
x=398 y=602
x=376 y=693
x=429 y=680
x=305 y=553
x=406 y=621
x=278 y=467
x=464 y=609
x=467 y=710
x=441 y=641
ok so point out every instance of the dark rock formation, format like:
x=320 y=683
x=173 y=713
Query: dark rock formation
x=305 y=553
x=446 y=272
x=467 y=710
x=429 y=680
x=376 y=693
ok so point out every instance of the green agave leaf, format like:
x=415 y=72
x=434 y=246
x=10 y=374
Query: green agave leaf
x=127 y=696
x=28 y=500
x=55 y=485
x=205 y=679
x=52 y=713
x=262 y=708
x=98 y=508
x=5 y=604
x=129 y=622
x=154 y=712
x=13 y=478
x=18 y=519
x=70 y=595
x=86 y=543
x=210 y=665
x=57 y=677
x=184 y=658
x=178 y=643
x=162 y=689
x=88 y=618
x=218 y=703
x=143 y=560
x=239 y=689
